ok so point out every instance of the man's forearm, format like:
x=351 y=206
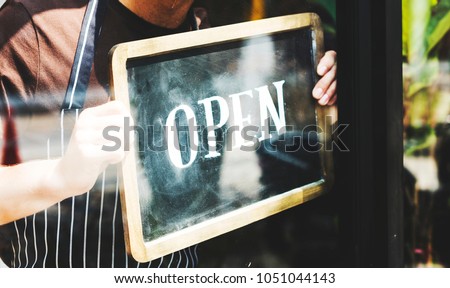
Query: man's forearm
x=28 y=188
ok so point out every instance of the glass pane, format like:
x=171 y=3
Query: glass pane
x=426 y=76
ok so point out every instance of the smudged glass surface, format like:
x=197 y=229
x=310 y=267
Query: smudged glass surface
x=212 y=184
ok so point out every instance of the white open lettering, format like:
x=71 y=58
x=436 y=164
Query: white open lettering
x=267 y=110
x=173 y=143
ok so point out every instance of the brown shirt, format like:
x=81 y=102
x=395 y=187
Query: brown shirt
x=38 y=46
x=38 y=40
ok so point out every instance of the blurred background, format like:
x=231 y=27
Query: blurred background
x=426 y=98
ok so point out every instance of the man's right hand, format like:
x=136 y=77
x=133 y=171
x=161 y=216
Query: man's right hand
x=50 y=181
x=84 y=160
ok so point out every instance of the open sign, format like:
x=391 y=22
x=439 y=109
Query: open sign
x=267 y=107
x=227 y=130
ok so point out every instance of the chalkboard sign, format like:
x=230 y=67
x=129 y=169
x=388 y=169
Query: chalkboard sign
x=227 y=132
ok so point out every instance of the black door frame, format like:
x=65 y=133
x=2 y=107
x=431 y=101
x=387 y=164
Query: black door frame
x=369 y=176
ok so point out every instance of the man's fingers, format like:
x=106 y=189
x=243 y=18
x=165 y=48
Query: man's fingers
x=327 y=62
x=324 y=84
x=329 y=94
x=99 y=136
x=325 y=89
x=90 y=150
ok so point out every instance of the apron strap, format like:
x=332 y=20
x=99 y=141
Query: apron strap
x=84 y=55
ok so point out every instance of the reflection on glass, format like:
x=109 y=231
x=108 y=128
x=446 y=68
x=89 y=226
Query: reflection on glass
x=222 y=127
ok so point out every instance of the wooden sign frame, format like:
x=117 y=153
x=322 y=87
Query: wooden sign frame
x=145 y=251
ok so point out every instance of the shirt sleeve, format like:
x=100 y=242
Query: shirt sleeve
x=19 y=62
x=19 y=56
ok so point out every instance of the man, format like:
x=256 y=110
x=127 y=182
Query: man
x=48 y=218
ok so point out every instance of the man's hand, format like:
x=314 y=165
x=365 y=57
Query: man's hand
x=85 y=159
x=47 y=182
x=325 y=89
